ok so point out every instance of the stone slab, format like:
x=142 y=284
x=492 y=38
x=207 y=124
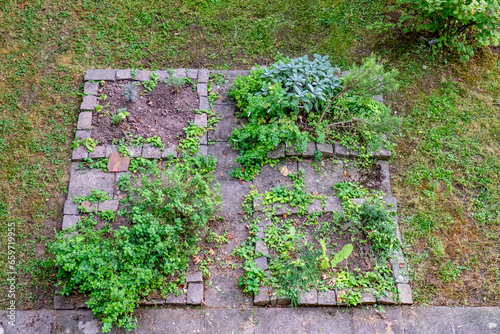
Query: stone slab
x=90 y=88
x=277 y=153
x=88 y=102
x=203 y=150
x=100 y=74
x=111 y=204
x=194 y=294
x=125 y=74
x=135 y=151
x=224 y=291
x=330 y=172
x=178 y=321
x=385 y=185
x=162 y=75
x=192 y=73
x=368 y=297
x=174 y=300
x=228 y=121
x=261 y=248
x=309 y=153
x=327 y=298
x=110 y=149
x=378 y=98
x=117 y=163
x=370 y=321
x=308 y=298
x=290 y=151
x=262 y=297
x=179 y=73
x=233 y=192
x=151 y=152
x=333 y=204
x=405 y=295
x=315 y=206
x=382 y=154
x=386 y=299
x=202 y=89
x=204 y=103
x=428 y=320
x=79 y=153
x=82 y=182
x=278 y=320
x=194 y=276
x=325 y=149
x=476 y=320
x=200 y=120
x=270 y=177
x=82 y=134
x=203 y=75
x=221 y=321
x=226 y=160
x=141 y=75
x=281 y=208
x=69 y=221
x=328 y=321
x=261 y=262
x=98 y=152
x=70 y=207
x=172 y=150
x=340 y=150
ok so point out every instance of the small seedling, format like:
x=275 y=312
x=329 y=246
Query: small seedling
x=120 y=115
x=130 y=93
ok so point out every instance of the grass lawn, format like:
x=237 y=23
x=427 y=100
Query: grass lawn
x=446 y=173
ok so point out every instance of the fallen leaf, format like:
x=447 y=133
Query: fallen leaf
x=242 y=182
x=229 y=236
x=211 y=252
x=284 y=171
x=315 y=193
x=285 y=215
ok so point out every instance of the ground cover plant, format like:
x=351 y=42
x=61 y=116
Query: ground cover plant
x=46 y=47
x=347 y=251
x=295 y=101
x=115 y=267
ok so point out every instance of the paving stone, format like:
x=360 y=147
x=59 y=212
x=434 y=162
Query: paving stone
x=476 y=320
x=233 y=193
x=75 y=322
x=228 y=121
x=172 y=150
x=194 y=276
x=226 y=160
x=369 y=321
x=224 y=291
x=162 y=75
x=152 y=302
x=277 y=153
x=151 y=152
x=200 y=120
x=110 y=149
x=79 y=153
x=100 y=74
x=262 y=297
x=257 y=204
x=428 y=320
x=358 y=201
x=117 y=163
x=278 y=320
x=270 y=177
x=325 y=149
x=340 y=150
x=174 y=300
x=328 y=321
x=88 y=206
x=27 y=322
x=315 y=206
x=203 y=140
x=309 y=153
x=179 y=73
x=70 y=207
x=178 y=321
x=333 y=204
x=260 y=248
x=284 y=208
x=98 y=152
x=203 y=75
x=61 y=303
x=399 y=270
x=308 y=298
x=391 y=203
x=69 y=221
x=88 y=102
x=202 y=89
x=330 y=172
x=141 y=75
x=192 y=73
x=124 y=74
x=378 y=98
x=82 y=182
x=327 y=298
x=90 y=88
x=290 y=151
x=230 y=321
x=386 y=299
x=82 y=134
x=385 y=185
x=405 y=295
x=261 y=262
x=203 y=150
x=367 y=297
x=195 y=294
x=382 y=154
x=135 y=151
x=111 y=204
x=204 y=103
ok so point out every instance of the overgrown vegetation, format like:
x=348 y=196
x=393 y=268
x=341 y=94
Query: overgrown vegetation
x=115 y=268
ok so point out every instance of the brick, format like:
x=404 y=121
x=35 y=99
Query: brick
x=151 y=152
x=98 y=152
x=124 y=74
x=277 y=153
x=142 y=75
x=70 y=207
x=192 y=73
x=204 y=103
x=262 y=297
x=117 y=163
x=202 y=89
x=309 y=153
x=110 y=149
x=261 y=248
x=172 y=150
x=405 y=295
x=201 y=120
x=82 y=134
x=203 y=75
x=325 y=149
x=194 y=294
x=308 y=298
x=135 y=151
x=84 y=120
x=88 y=102
x=261 y=262
x=111 y=204
x=100 y=74
x=333 y=204
x=90 y=88
x=194 y=276
x=280 y=300
x=79 y=153
x=327 y=298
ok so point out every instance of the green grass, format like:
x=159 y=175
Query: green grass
x=46 y=46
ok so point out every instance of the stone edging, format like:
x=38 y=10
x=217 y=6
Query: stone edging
x=84 y=123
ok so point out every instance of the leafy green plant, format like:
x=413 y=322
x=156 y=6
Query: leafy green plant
x=130 y=93
x=149 y=85
x=108 y=215
x=101 y=163
x=175 y=82
x=453 y=24
x=342 y=255
x=156 y=142
x=120 y=115
x=88 y=143
x=253 y=278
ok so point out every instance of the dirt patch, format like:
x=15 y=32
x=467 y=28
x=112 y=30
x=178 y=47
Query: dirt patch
x=161 y=112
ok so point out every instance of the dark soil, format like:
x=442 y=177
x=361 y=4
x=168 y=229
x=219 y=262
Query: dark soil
x=371 y=178
x=161 y=112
